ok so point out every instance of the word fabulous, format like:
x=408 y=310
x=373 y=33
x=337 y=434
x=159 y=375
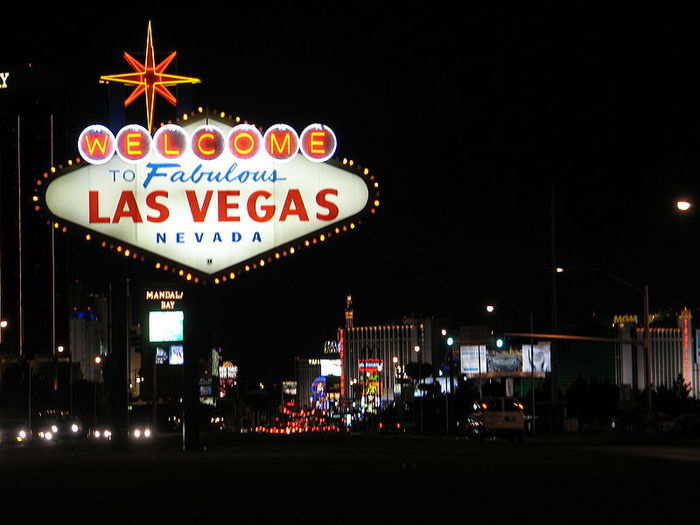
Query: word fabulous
x=133 y=143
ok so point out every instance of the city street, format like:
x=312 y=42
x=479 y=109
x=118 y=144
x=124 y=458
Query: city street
x=567 y=478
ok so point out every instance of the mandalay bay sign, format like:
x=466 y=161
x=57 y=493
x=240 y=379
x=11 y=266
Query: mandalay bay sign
x=209 y=198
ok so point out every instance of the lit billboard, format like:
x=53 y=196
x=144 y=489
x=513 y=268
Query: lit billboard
x=539 y=361
x=472 y=359
x=210 y=198
x=330 y=367
x=477 y=360
x=165 y=326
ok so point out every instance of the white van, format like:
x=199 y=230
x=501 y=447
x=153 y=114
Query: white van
x=497 y=417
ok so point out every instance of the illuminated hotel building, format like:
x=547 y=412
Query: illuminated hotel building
x=374 y=358
x=674 y=350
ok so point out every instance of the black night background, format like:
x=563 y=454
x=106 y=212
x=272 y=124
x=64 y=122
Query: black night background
x=507 y=141
x=477 y=126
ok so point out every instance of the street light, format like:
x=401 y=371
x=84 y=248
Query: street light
x=420 y=380
x=683 y=204
x=490 y=308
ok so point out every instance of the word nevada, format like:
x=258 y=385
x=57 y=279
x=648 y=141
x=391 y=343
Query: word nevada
x=133 y=143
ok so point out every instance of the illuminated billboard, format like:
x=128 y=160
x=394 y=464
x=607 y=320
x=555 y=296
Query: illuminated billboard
x=477 y=360
x=539 y=361
x=165 y=326
x=177 y=355
x=208 y=197
x=192 y=200
x=472 y=359
x=330 y=367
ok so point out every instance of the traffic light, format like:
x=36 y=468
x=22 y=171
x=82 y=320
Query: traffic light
x=497 y=342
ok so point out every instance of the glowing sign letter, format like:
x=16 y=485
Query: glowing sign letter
x=244 y=141
x=318 y=143
x=170 y=141
x=207 y=143
x=281 y=142
x=133 y=143
x=96 y=144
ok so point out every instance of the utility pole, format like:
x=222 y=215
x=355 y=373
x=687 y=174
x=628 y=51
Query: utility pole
x=647 y=349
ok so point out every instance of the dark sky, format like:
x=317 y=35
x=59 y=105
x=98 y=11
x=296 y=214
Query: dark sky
x=471 y=120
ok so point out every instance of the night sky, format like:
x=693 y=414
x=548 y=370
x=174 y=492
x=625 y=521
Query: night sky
x=477 y=125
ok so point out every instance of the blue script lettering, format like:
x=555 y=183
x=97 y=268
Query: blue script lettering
x=174 y=172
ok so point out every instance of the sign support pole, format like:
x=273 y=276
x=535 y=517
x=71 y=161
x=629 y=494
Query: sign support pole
x=190 y=420
x=118 y=361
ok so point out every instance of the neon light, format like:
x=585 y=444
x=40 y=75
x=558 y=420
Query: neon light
x=244 y=141
x=133 y=143
x=207 y=143
x=281 y=142
x=170 y=141
x=318 y=143
x=150 y=79
x=96 y=144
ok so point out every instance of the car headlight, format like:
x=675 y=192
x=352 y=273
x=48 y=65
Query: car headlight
x=48 y=436
x=54 y=428
x=22 y=434
x=147 y=433
x=137 y=433
x=97 y=434
x=74 y=428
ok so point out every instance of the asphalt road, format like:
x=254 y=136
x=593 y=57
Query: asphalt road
x=360 y=478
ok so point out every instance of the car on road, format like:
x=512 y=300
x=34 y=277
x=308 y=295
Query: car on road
x=389 y=423
x=496 y=417
x=59 y=428
x=14 y=432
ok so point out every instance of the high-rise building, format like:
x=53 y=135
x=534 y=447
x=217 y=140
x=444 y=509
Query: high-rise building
x=374 y=358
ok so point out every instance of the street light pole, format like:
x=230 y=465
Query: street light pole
x=420 y=381
x=647 y=349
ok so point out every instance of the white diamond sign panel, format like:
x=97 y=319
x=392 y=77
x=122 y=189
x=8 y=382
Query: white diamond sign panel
x=209 y=195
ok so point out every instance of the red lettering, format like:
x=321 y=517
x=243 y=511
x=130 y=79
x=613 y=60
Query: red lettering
x=325 y=203
x=162 y=209
x=198 y=212
x=294 y=205
x=127 y=207
x=94 y=214
x=225 y=205
x=267 y=209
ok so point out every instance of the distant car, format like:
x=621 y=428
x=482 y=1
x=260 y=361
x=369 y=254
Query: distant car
x=137 y=432
x=57 y=428
x=496 y=417
x=14 y=432
x=390 y=423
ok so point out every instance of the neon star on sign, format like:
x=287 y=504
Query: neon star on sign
x=150 y=78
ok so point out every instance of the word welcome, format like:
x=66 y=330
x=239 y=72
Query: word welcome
x=133 y=143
